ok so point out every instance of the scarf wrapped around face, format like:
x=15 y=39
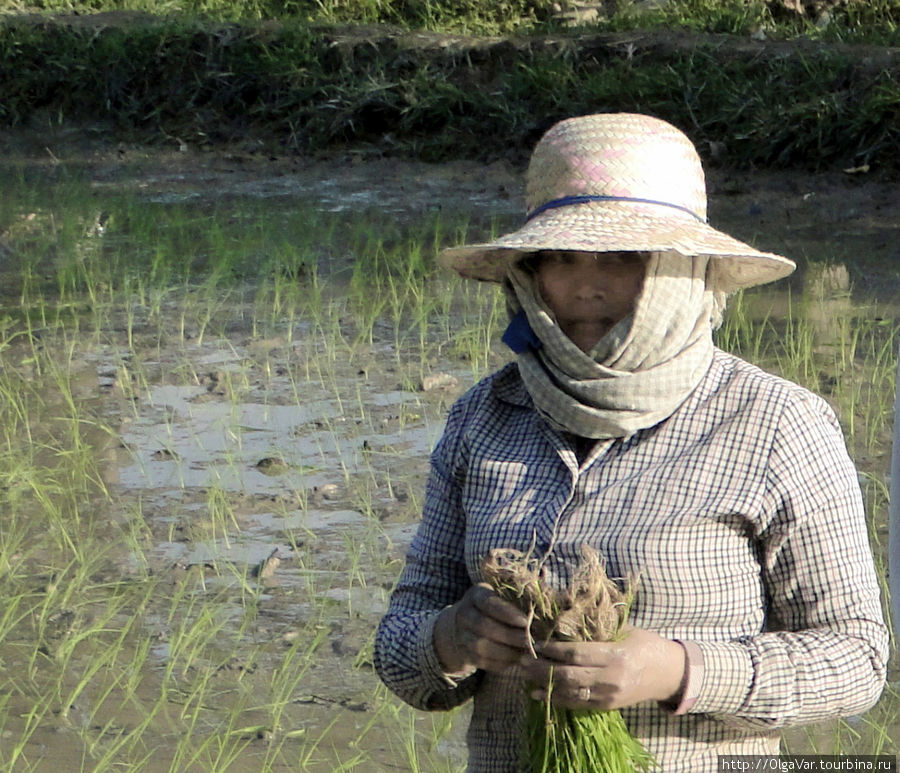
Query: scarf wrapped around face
x=639 y=372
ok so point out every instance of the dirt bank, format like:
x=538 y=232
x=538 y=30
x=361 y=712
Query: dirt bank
x=380 y=91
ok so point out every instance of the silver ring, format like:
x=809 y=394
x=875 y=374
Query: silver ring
x=584 y=694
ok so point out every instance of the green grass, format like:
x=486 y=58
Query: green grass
x=876 y=22
x=871 y=21
x=304 y=85
x=129 y=662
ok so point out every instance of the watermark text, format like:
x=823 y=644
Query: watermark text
x=808 y=763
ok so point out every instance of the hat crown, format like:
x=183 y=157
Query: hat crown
x=618 y=155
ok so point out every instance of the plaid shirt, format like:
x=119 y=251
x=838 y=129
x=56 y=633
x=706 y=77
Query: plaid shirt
x=743 y=516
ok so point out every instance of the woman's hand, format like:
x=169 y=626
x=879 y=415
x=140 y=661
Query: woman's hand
x=480 y=631
x=607 y=675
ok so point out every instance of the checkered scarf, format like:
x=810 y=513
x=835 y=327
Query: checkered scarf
x=640 y=371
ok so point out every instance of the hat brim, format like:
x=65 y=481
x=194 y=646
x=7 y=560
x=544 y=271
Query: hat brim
x=625 y=227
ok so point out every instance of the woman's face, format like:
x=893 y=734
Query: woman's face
x=590 y=292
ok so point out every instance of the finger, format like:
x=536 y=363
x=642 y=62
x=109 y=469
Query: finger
x=541 y=673
x=486 y=648
x=489 y=602
x=575 y=697
x=490 y=658
x=572 y=687
x=585 y=654
x=475 y=626
x=487 y=654
x=482 y=603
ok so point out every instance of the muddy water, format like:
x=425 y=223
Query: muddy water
x=244 y=461
x=327 y=480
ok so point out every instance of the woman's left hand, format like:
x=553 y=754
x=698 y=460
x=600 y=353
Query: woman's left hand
x=607 y=675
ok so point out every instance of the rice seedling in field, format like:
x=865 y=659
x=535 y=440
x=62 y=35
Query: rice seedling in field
x=844 y=353
x=133 y=631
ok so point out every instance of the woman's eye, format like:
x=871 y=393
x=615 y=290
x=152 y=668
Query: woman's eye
x=619 y=258
x=556 y=259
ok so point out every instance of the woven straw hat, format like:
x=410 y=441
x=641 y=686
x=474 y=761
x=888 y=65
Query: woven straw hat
x=618 y=182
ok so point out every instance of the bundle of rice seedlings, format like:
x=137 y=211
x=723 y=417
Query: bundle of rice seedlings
x=592 y=608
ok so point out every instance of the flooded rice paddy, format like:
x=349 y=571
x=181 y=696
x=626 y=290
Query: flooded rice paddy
x=220 y=379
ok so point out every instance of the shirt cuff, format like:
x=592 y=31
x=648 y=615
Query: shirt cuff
x=693 y=676
x=718 y=678
x=429 y=663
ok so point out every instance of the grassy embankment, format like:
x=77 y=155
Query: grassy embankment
x=296 y=74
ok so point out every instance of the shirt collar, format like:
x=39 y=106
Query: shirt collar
x=509 y=387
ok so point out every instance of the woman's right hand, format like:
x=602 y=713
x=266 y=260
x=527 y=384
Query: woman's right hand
x=481 y=630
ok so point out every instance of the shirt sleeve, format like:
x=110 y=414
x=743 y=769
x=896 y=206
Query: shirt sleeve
x=825 y=648
x=433 y=578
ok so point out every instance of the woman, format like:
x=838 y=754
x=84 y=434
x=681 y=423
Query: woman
x=727 y=490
